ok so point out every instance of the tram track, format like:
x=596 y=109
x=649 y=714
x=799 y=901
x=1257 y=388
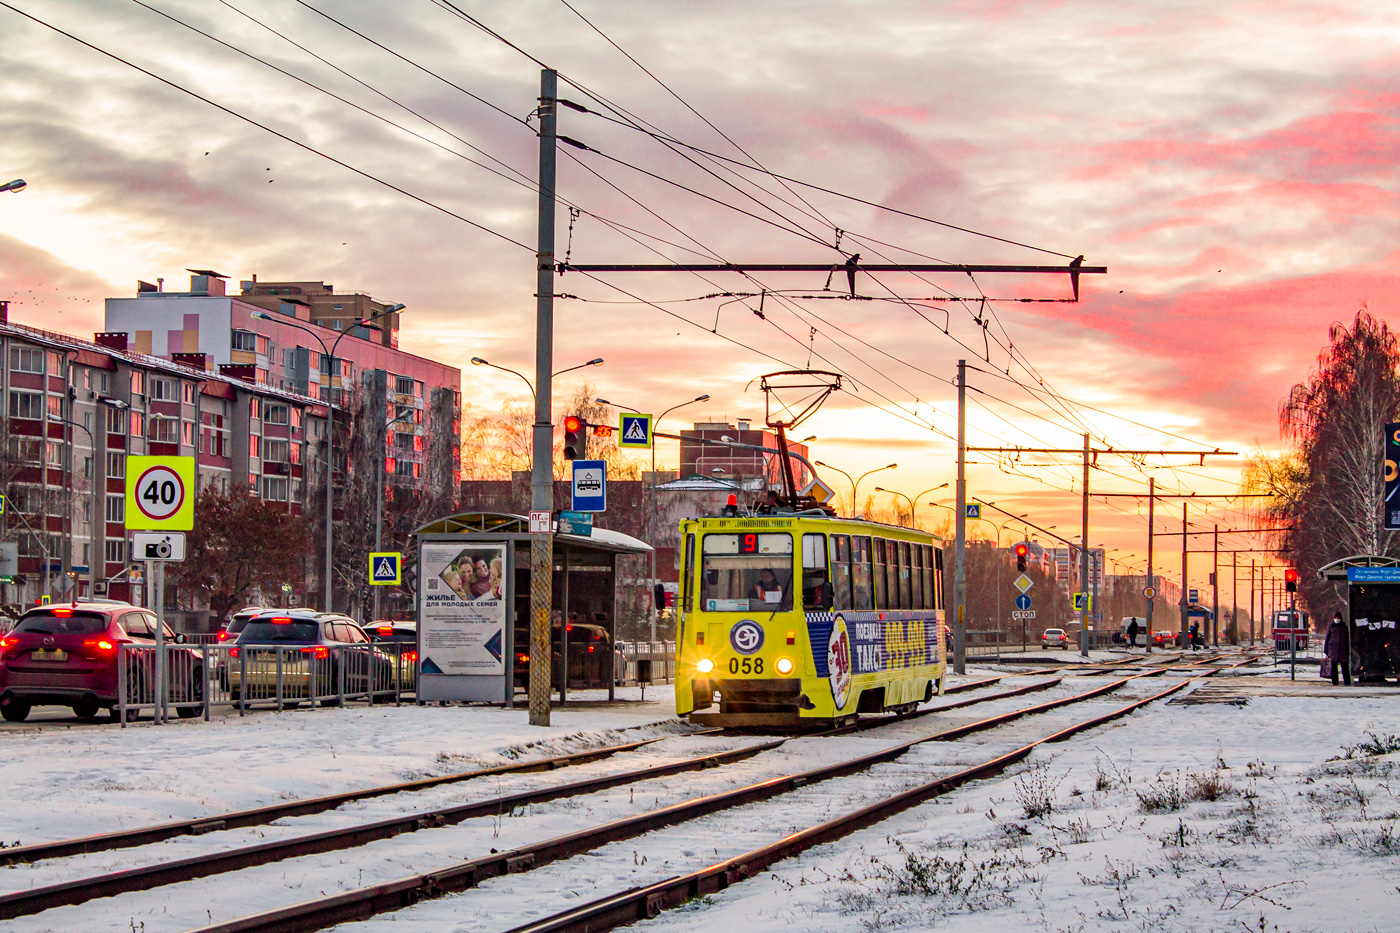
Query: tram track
x=162 y=874
x=388 y=897
x=159 y=874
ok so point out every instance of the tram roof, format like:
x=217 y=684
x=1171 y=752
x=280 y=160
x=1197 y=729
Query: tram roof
x=823 y=517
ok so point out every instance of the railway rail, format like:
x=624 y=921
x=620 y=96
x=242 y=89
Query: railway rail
x=470 y=873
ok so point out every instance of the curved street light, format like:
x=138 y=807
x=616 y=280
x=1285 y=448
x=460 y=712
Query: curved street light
x=478 y=361
x=855 y=483
x=18 y=185
x=330 y=414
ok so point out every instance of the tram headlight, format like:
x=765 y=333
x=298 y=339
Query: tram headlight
x=705 y=665
x=784 y=666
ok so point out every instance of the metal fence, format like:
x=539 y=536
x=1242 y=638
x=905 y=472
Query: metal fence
x=1296 y=644
x=661 y=654
x=195 y=679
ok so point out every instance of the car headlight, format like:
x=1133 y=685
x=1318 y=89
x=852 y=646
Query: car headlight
x=705 y=665
x=784 y=665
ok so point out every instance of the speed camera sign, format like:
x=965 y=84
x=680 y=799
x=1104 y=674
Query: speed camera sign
x=160 y=493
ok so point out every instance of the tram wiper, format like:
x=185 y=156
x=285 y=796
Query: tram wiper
x=785 y=591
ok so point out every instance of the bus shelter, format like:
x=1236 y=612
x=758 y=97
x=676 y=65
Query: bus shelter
x=474 y=608
x=1373 y=612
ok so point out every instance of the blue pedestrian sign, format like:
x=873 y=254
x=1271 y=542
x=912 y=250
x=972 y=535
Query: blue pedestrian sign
x=1023 y=601
x=634 y=430
x=590 y=486
x=974 y=510
x=385 y=568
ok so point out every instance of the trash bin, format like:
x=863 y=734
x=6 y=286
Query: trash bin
x=644 y=670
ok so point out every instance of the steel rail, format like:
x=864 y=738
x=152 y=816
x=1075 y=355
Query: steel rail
x=367 y=902
x=142 y=878
x=648 y=901
x=260 y=816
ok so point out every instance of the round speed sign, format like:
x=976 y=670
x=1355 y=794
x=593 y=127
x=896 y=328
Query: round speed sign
x=160 y=492
x=1149 y=591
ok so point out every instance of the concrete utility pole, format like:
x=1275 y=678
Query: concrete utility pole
x=1151 y=580
x=1215 y=594
x=1185 y=592
x=1084 y=588
x=542 y=449
x=1234 y=599
x=960 y=538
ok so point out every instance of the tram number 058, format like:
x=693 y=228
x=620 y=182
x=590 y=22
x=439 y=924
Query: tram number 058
x=746 y=666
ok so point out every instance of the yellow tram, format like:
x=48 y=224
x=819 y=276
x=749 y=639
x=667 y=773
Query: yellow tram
x=787 y=619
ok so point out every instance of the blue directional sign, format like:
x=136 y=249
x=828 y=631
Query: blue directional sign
x=590 y=486
x=1023 y=601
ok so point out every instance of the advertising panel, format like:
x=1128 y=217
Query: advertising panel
x=1391 y=520
x=461 y=626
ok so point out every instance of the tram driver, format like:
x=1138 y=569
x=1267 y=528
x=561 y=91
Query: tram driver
x=768 y=589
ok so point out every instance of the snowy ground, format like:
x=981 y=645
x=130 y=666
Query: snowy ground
x=1130 y=841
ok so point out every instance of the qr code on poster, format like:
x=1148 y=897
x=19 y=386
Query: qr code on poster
x=433 y=583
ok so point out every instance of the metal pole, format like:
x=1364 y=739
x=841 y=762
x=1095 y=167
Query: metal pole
x=1235 y=598
x=542 y=453
x=330 y=459
x=1251 y=602
x=379 y=487
x=159 y=588
x=1084 y=560
x=1184 y=591
x=960 y=538
x=1292 y=638
x=1215 y=594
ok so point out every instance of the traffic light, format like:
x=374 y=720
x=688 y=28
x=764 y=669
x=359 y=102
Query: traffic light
x=573 y=437
x=1023 y=550
x=1290 y=580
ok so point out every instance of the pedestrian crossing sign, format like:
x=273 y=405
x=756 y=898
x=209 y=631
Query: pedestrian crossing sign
x=634 y=430
x=385 y=568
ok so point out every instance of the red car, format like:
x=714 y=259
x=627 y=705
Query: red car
x=66 y=655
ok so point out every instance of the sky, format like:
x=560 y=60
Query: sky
x=1232 y=164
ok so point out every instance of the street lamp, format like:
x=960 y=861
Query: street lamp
x=478 y=361
x=855 y=483
x=16 y=186
x=651 y=490
x=912 y=502
x=330 y=414
x=379 y=492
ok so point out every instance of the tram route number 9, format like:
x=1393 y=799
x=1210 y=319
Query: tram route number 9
x=746 y=665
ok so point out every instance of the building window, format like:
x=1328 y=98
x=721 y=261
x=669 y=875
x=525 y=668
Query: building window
x=338 y=325
x=188 y=392
x=116 y=509
x=164 y=390
x=116 y=465
x=338 y=307
x=275 y=414
x=403 y=385
x=245 y=340
x=274 y=451
x=403 y=441
x=254 y=408
x=56 y=406
x=254 y=446
x=274 y=488
x=25 y=449
x=26 y=360
x=54 y=453
x=138 y=383
x=87 y=468
x=187 y=433
x=138 y=424
x=87 y=421
x=116 y=421
x=116 y=551
x=263 y=345
x=26 y=405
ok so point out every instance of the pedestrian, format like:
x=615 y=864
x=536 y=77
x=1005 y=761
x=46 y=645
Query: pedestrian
x=1336 y=652
x=1132 y=633
x=1195 y=633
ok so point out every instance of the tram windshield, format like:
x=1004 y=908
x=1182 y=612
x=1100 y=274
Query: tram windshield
x=746 y=572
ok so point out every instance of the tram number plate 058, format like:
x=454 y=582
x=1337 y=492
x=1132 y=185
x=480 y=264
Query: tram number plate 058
x=746 y=665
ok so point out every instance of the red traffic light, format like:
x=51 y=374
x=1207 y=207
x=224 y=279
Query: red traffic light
x=573 y=423
x=1290 y=576
x=1022 y=550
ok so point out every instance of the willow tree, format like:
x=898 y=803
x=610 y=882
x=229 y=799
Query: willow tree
x=1328 y=486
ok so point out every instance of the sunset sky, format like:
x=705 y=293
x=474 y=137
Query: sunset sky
x=1233 y=164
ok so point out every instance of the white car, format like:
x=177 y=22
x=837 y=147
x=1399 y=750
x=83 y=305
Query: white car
x=1054 y=638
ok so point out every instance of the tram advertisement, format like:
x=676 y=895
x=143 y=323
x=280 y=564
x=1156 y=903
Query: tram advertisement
x=461 y=624
x=896 y=641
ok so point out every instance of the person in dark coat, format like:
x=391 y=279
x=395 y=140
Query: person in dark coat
x=1336 y=652
x=1132 y=634
x=1195 y=634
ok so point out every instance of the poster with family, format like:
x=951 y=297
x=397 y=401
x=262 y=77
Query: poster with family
x=461 y=625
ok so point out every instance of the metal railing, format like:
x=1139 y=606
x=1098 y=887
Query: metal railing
x=661 y=654
x=200 y=678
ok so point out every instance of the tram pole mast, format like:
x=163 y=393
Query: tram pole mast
x=1085 y=609
x=1151 y=580
x=542 y=447
x=960 y=538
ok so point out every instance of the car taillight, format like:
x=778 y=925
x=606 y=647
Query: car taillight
x=6 y=644
x=385 y=630
x=279 y=620
x=101 y=644
x=223 y=635
x=410 y=656
x=233 y=652
x=320 y=652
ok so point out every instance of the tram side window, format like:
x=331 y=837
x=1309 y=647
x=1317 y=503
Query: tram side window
x=881 y=591
x=746 y=572
x=906 y=599
x=862 y=594
x=841 y=571
x=816 y=592
x=916 y=574
x=938 y=578
x=688 y=575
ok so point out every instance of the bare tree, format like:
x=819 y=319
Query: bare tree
x=1328 y=488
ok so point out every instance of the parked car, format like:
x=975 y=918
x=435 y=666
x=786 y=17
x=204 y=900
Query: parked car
x=1054 y=638
x=1163 y=639
x=401 y=641
x=229 y=633
x=316 y=650
x=66 y=654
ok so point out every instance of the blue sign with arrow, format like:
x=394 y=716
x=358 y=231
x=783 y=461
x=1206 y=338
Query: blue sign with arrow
x=1023 y=601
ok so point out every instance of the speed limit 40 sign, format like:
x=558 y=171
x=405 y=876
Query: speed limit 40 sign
x=160 y=493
